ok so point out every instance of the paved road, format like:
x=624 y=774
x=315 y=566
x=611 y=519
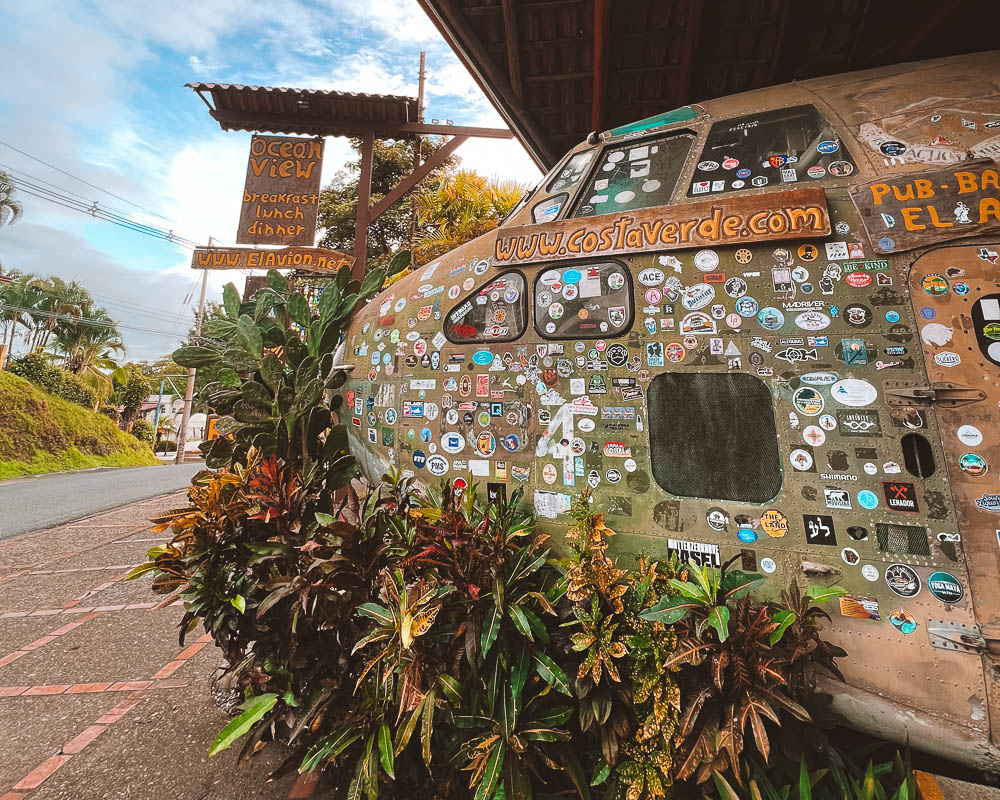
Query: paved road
x=43 y=501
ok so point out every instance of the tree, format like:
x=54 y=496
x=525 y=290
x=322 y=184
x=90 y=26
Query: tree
x=131 y=390
x=458 y=208
x=338 y=202
x=87 y=347
x=10 y=209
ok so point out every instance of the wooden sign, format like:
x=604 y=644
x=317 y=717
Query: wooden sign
x=922 y=208
x=796 y=214
x=281 y=194
x=305 y=259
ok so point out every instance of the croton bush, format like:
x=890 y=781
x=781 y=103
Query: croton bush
x=417 y=642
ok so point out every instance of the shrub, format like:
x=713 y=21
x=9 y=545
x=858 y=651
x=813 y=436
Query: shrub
x=53 y=380
x=144 y=431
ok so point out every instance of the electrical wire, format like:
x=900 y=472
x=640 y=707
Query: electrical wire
x=88 y=183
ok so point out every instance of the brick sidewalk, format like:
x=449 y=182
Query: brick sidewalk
x=97 y=699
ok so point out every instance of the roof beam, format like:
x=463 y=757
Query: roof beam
x=692 y=33
x=415 y=177
x=779 y=42
x=513 y=43
x=456 y=31
x=602 y=21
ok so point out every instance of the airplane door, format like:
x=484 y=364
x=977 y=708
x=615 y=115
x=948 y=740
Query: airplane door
x=956 y=299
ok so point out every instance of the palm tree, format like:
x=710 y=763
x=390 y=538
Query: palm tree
x=58 y=305
x=10 y=209
x=461 y=207
x=86 y=347
x=16 y=301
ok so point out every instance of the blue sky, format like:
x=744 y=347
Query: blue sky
x=97 y=89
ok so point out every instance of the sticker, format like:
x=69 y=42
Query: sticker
x=717 y=519
x=859 y=607
x=767 y=565
x=935 y=285
x=857 y=315
x=453 y=442
x=706 y=260
x=853 y=392
x=902 y=580
x=947 y=359
x=945 y=587
x=802 y=460
x=549 y=473
x=437 y=465
x=989 y=502
x=651 y=277
x=700 y=553
x=769 y=318
x=870 y=572
x=839 y=499
x=867 y=499
x=808 y=401
x=850 y=556
x=903 y=620
x=901 y=497
x=814 y=435
x=974 y=464
x=774 y=523
x=819 y=529
x=970 y=435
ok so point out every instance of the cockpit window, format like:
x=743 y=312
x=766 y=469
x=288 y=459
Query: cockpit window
x=583 y=301
x=496 y=312
x=548 y=209
x=789 y=145
x=569 y=176
x=637 y=174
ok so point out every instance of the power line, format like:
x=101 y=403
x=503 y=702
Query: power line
x=88 y=183
x=111 y=324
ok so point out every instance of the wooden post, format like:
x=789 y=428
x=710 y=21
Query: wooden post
x=363 y=217
x=189 y=390
x=602 y=14
x=417 y=142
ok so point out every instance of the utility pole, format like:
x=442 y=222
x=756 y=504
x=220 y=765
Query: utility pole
x=189 y=392
x=416 y=154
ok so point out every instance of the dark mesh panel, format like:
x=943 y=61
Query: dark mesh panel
x=713 y=436
x=902 y=539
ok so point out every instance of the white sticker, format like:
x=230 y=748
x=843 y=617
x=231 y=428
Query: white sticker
x=970 y=435
x=853 y=392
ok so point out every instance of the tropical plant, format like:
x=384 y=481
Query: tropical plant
x=131 y=389
x=10 y=209
x=459 y=207
x=143 y=431
x=36 y=368
x=87 y=347
x=756 y=673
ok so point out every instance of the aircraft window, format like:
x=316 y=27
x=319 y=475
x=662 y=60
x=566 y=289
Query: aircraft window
x=638 y=174
x=902 y=539
x=548 y=209
x=496 y=312
x=713 y=435
x=789 y=145
x=583 y=301
x=986 y=321
x=918 y=455
x=569 y=176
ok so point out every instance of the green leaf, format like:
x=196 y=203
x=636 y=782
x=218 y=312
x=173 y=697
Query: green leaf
x=669 y=610
x=551 y=673
x=726 y=792
x=331 y=745
x=276 y=281
x=220 y=453
x=239 y=603
x=718 y=618
x=271 y=372
x=520 y=621
x=250 y=336
x=427 y=726
x=452 y=689
x=256 y=709
x=385 y=751
x=228 y=377
x=736 y=583
x=325 y=519
x=403 y=734
x=399 y=262
x=602 y=769
x=372 y=283
x=491 y=627
x=376 y=612
x=196 y=357
x=298 y=309
x=784 y=618
x=805 y=786
x=494 y=766
x=231 y=301
x=820 y=594
x=140 y=570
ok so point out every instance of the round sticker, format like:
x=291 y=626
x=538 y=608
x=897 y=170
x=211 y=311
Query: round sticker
x=974 y=464
x=613 y=476
x=801 y=459
x=767 y=565
x=706 y=260
x=892 y=316
x=744 y=255
x=717 y=519
x=970 y=435
x=945 y=587
x=437 y=465
x=857 y=315
x=867 y=499
x=903 y=619
x=616 y=281
x=769 y=318
x=747 y=535
x=902 y=580
x=935 y=285
x=735 y=287
x=390 y=416
x=629 y=464
x=853 y=392
x=746 y=307
x=486 y=443
x=774 y=523
x=708 y=166
x=869 y=572
x=892 y=148
x=841 y=169
x=549 y=473
x=814 y=435
x=651 y=277
x=870 y=468
x=808 y=401
x=850 y=556
x=586 y=424
x=453 y=442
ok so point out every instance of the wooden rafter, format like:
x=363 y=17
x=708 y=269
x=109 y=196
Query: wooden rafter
x=513 y=44
x=411 y=180
x=692 y=33
x=602 y=37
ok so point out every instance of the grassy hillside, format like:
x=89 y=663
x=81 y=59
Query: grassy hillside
x=40 y=432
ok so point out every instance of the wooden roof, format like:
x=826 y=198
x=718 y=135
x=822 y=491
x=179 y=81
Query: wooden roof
x=558 y=69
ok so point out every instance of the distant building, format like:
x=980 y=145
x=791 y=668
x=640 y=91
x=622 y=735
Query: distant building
x=172 y=408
